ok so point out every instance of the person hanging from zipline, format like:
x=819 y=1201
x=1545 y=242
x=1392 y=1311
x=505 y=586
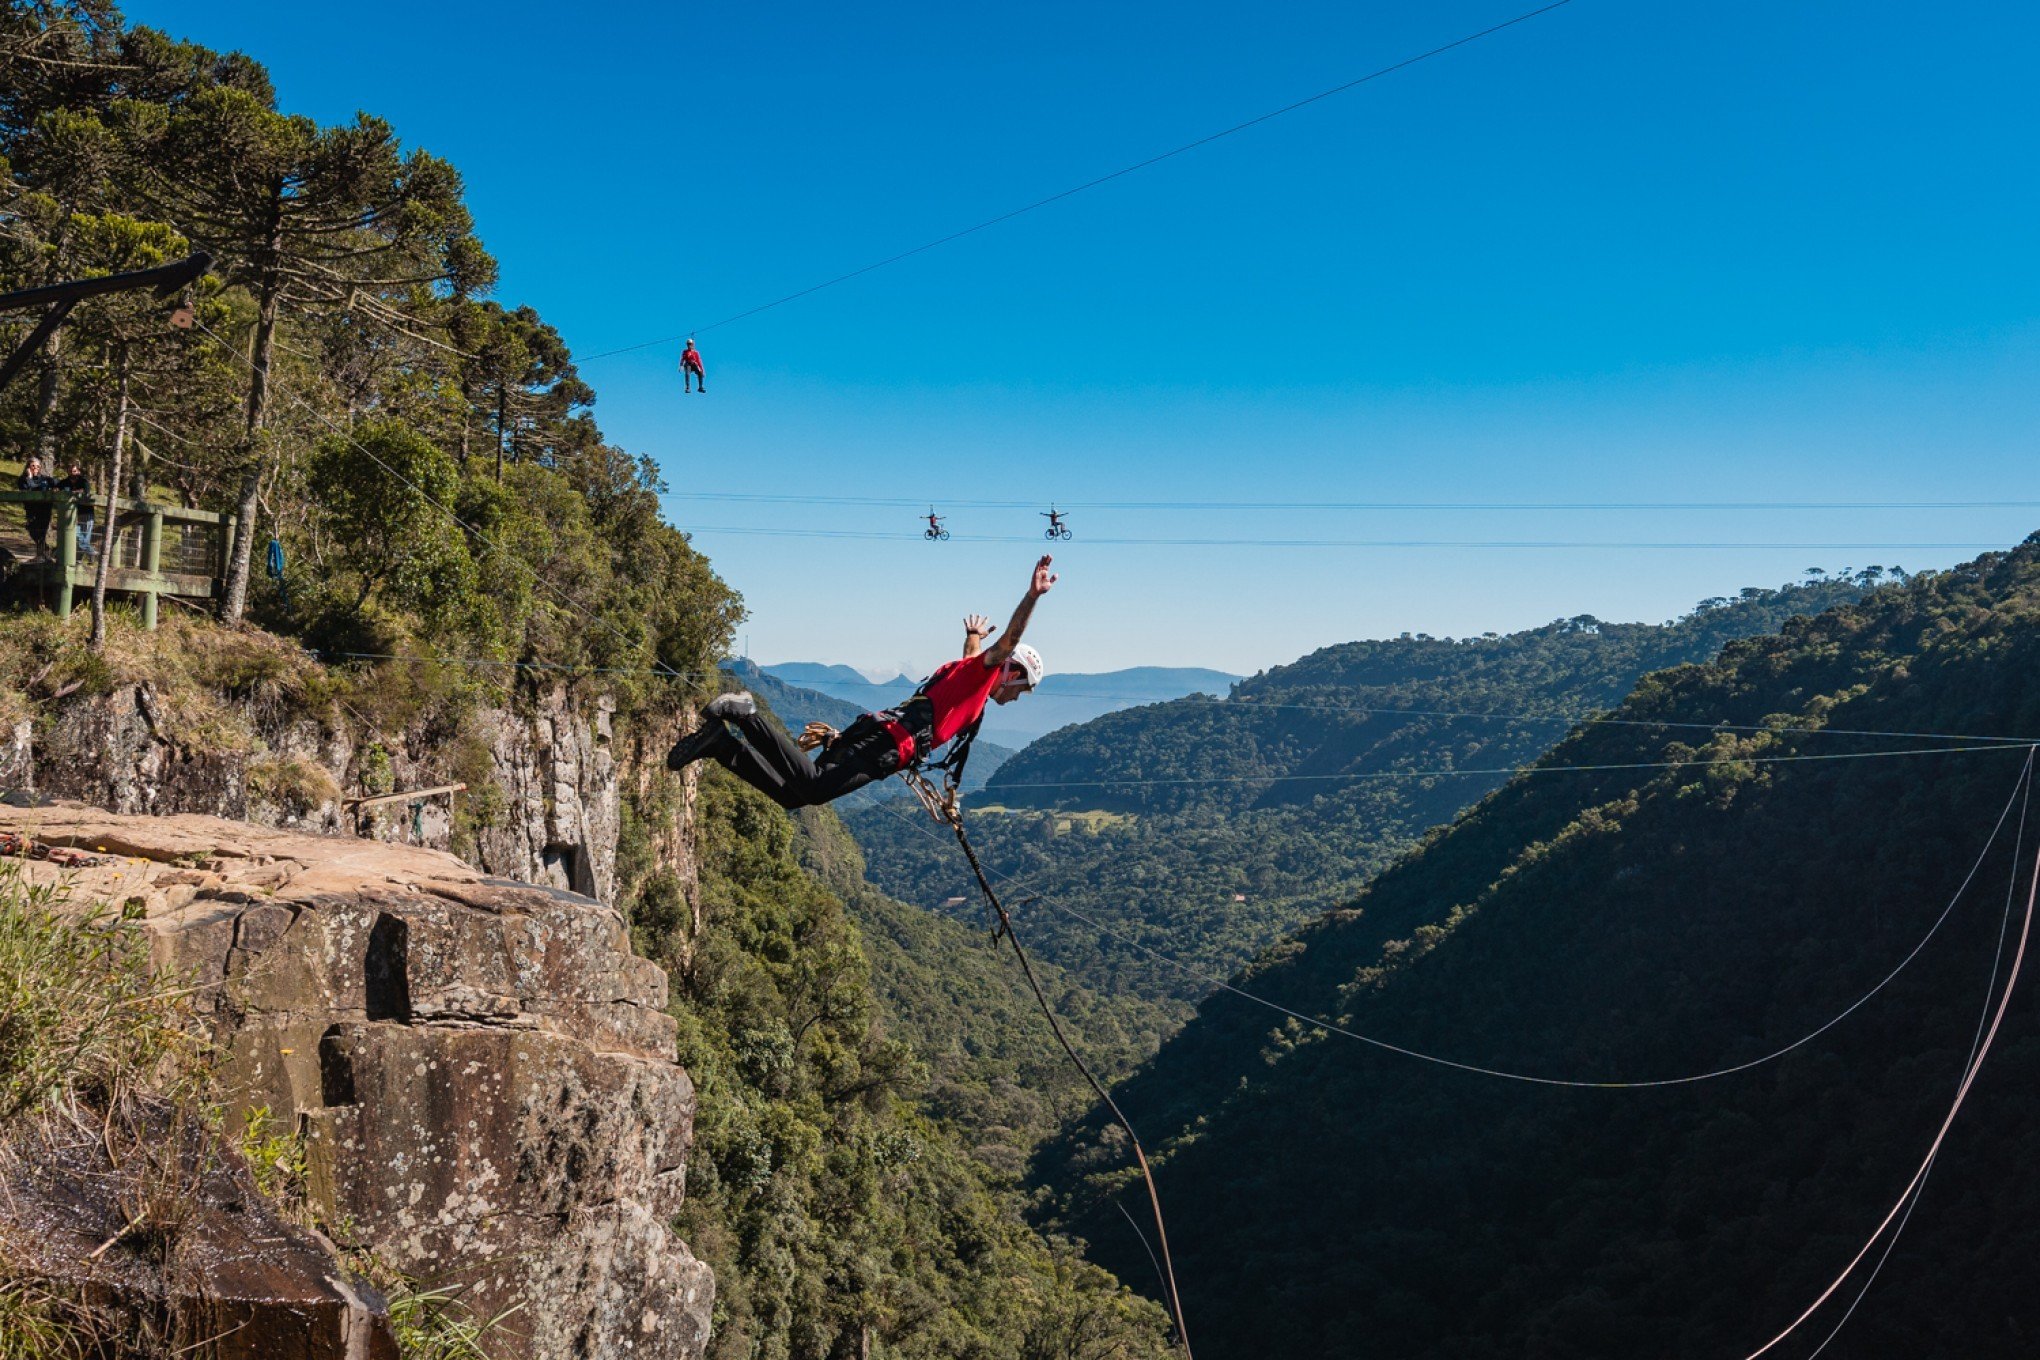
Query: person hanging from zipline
x=690 y=366
x=948 y=706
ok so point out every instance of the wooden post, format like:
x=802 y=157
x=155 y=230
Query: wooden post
x=152 y=563
x=67 y=553
x=105 y=564
x=226 y=546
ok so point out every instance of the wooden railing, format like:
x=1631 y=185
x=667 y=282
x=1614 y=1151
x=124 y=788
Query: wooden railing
x=198 y=542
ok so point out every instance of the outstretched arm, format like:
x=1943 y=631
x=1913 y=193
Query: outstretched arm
x=1042 y=582
x=976 y=628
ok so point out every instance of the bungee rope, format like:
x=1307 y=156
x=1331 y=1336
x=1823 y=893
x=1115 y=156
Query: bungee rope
x=941 y=804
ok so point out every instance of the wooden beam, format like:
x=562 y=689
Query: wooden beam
x=433 y=792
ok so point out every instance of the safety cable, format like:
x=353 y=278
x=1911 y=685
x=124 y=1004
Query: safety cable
x=1240 y=704
x=1525 y=544
x=1329 y=1027
x=790 y=498
x=1976 y=1040
x=1089 y=184
x=1510 y=770
x=1982 y=1052
x=1005 y=927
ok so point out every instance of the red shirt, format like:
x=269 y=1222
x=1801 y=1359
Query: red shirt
x=691 y=358
x=958 y=692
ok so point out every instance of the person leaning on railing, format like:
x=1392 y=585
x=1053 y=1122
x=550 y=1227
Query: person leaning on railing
x=79 y=485
x=37 y=513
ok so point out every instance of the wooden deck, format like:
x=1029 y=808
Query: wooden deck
x=159 y=550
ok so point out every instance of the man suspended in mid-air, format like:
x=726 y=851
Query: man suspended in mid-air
x=690 y=366
x=949 y=705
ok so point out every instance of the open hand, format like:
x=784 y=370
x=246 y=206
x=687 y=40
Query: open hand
x=1043 y=577
x=977 y=625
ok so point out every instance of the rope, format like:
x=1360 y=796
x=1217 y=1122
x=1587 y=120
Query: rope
x=1329 y=1027
x=1089 y=184
x=1982 y=1051
x=1965 y=545
x=1228 y=507
x=1996 y=962
x=1512 y=770
x=1373 y=710
x=1005 y=926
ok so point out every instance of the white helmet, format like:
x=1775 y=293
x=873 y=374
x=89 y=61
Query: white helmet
x=1029 y=660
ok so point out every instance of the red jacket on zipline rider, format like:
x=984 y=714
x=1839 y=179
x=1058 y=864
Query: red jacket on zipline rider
x=690 y=366
x=949 y=704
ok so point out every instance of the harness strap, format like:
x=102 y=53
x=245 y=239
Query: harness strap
x=903 y=740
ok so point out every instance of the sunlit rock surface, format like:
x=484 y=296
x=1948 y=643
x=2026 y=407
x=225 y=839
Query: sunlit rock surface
x=485 y=1074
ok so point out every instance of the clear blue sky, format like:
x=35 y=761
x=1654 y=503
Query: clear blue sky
x=1624 y=252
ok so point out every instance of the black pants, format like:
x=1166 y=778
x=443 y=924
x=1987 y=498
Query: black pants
x=768 y=760
x=693 y=375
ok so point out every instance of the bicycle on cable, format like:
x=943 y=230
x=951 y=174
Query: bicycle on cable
x=934 y=530
x=1056 y=527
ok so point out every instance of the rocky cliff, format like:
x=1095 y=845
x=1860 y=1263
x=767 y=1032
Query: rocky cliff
x=542 y=767
x=484 y=1073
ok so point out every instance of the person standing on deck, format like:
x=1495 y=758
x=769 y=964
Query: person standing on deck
x=37 y=514
x=949 y=704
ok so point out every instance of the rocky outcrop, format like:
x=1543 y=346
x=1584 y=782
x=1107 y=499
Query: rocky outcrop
x=555 y=766
x=553 y=796
x=484 y=1072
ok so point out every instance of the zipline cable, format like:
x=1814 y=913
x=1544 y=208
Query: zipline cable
x=1154 y=1261
x=1243 y=704
x=1524 y=544
x=1983 y=1017
x=776 y=498
x=1121 y=173
x=1511 y=771
x=1961 y=1094
x=1005 y=926
x=1330 y=1027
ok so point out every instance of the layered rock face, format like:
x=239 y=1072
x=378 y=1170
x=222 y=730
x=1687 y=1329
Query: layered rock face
x=485 y=1074
x=551 y=757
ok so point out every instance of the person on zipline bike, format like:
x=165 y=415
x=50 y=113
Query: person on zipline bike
x=949 y=705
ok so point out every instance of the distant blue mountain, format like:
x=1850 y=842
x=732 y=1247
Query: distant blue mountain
x=1061 y=701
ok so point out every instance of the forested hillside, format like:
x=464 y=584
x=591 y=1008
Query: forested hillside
x=1203 y=829
x=1729 y=897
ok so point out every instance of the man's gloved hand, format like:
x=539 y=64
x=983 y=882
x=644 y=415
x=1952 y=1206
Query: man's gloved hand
x=816 y=735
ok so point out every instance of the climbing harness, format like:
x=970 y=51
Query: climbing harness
x=942 y=806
